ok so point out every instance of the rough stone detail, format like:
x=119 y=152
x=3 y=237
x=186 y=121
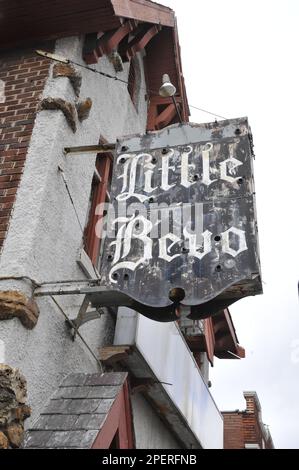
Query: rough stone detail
x=3 y=441
x=15 y=304
x=15 y=434
x=66 y=107
x=68 y=71
x=83 y=109
x=116 y=60
x=13 y=411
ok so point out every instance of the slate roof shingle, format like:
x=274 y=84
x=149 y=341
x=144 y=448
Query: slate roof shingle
x=76 y=411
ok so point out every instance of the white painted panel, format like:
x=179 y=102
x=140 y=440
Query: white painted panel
x=164 y=349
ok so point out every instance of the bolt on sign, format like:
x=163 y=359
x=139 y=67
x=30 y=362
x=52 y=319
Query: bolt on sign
x=181 y=232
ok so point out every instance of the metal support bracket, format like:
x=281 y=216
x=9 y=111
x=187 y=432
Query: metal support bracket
x=100 y=297
x=100 y=148
x=67 y=288
x=73 y=288
x=83 y=317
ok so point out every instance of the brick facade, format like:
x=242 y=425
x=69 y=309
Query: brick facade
x=244 y=428
x=24 y=74
x=233 y=430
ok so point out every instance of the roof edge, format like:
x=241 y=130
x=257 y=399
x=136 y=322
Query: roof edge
x=144 y=10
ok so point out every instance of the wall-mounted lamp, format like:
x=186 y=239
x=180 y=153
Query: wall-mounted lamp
x=167 y=89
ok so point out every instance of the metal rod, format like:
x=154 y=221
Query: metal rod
x=50 y=55
x=70 y=322
x=78 y=287
x=100 y=148
x=81 y=313
x=177 y=109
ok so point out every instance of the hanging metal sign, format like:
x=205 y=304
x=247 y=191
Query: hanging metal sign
x=181 y=232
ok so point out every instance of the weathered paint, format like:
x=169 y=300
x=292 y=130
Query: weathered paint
x=150 y=431
x=202 y=244
x=178 y=388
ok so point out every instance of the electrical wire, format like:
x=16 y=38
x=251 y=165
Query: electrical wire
x=70 y=196
x=208 y=112
x=77 y=332
x=76 y=212
x=114 y=77
x=126 y=82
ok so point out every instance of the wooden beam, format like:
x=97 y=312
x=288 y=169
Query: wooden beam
x=223 y=342
x=112 y=354
x=152 y=114
x=141 y=384
x=102 y=41
x=89 y=48
x=196 y=343
x=164 y=118
x=226 y=341
x=210 y=339
x=142 y=38
x=151 y=117
x=98 y=44
x=181 y=81
x=220 y=326
x=240 y=352
x=144 y=10
x=109 y=43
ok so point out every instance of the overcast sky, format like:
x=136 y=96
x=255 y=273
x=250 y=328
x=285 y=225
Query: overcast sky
x=241 y=59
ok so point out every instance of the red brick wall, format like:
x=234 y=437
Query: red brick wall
x=233 y=431
x=243 y=427
x=252 y=432
x=24 y=74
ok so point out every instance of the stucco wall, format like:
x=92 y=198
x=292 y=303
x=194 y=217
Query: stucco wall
x=150 y=431
x=44 y=238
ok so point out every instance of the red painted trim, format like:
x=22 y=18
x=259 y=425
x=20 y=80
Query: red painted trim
x=141 y=39
x=226 y=346
x=210 y=339
x=89 y=53
x=178 y=62
x=163 y=56
x=129 y=416
x=151 y=117
x=99 y=189
x=144 y=10
x=165 y=117
x=117 y=36
x=154 y=120
x=119 y=420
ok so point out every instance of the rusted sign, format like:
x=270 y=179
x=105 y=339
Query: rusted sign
x=181 y=232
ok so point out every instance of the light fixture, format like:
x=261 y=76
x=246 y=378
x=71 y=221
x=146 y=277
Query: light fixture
x=167 y=89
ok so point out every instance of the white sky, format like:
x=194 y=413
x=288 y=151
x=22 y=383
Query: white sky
x=241 y=59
